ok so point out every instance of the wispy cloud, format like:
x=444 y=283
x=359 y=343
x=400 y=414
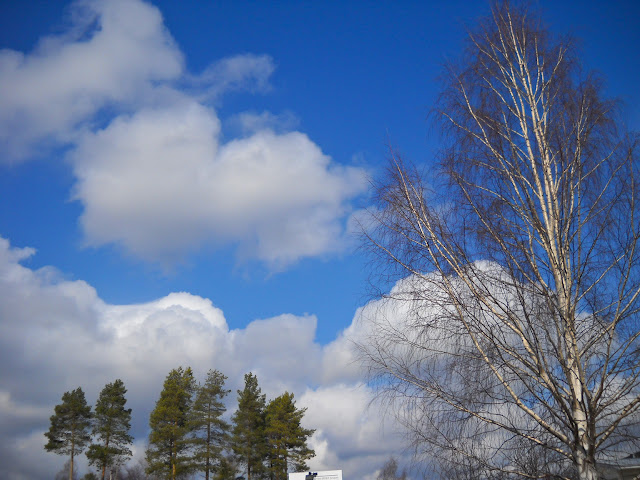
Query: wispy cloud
x=248 y=123
x=247 y=72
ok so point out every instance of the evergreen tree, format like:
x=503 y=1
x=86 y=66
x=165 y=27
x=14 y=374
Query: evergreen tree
x=228 y=468
x=69 y=430
x=209 y=429
x=111 y=424
x=168 y=453
x=286 y=438
x=248 y=440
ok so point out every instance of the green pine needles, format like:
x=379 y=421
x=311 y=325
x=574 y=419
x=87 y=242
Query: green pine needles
x=249 y=443
x=70 y=424
x=209 y=431
x=168 y=455
x=111 y=424
x=268 y=438
x=190 y=433
x=73 y=426
x=286 y=439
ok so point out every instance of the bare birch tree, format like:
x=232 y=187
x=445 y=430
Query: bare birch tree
x=514 y=347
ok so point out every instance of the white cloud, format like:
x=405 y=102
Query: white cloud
x=246 y=72
x=67 y=79
x=347 y=423
x=251 y=122
x=152 y=173
x=58 y=334
x=159 y=184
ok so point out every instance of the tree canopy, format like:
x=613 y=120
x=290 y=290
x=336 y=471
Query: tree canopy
x=248 y=436
x=515 y=328
x=70 y=424
x=111 y=425
x=206 y=424
x=168 y=452
x=286 y=438
x=188 y=434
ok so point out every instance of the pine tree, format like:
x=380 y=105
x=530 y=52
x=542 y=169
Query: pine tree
x=69 y=430
x=248 y=441
x=111 y=424
x=286 y=438
x=168 y=453
x=228 y=468
x=209 y=429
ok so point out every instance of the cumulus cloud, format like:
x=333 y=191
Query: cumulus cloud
x=58 y=334
x=67 y=79
x=158 y=183
x=153 y=174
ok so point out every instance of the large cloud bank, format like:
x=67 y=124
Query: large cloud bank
x=144 y=142
x=58 y=334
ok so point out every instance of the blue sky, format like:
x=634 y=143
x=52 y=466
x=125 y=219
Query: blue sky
x=221 y=149
x=354 y=79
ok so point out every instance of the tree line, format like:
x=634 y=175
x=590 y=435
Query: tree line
x=188 y=432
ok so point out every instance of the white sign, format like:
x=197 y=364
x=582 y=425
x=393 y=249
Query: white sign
x=326 y=475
